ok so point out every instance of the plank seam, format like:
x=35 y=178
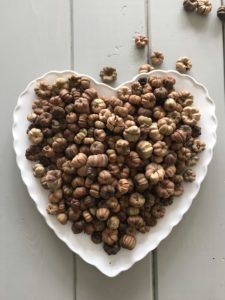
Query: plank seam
x=155 y=275
x=75 y=276
x=72 y=68
x=71 y=35
x=223 y=40
x=148 y=29
x=154 y=265
x=154 y=294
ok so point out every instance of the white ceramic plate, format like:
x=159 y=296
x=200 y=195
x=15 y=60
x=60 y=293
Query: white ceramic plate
x=81 y=243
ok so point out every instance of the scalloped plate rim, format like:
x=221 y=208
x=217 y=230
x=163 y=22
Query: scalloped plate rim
x=166 y=230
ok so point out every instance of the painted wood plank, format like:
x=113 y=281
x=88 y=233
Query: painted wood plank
x=35 y=38
x=104 y=34
x=191 y=262
x=130 y=285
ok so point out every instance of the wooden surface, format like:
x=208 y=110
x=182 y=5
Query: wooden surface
x=191 y=261
x=34 y=264
x=38 y=36
x=113 y=44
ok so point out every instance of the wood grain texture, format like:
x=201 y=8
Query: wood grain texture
x=35 y=264
x=104 y=34
x=191 y=262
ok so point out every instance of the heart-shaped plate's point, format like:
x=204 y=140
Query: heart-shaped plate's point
x=81 y=244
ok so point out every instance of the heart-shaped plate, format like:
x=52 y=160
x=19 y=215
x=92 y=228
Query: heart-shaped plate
x=81 y=243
